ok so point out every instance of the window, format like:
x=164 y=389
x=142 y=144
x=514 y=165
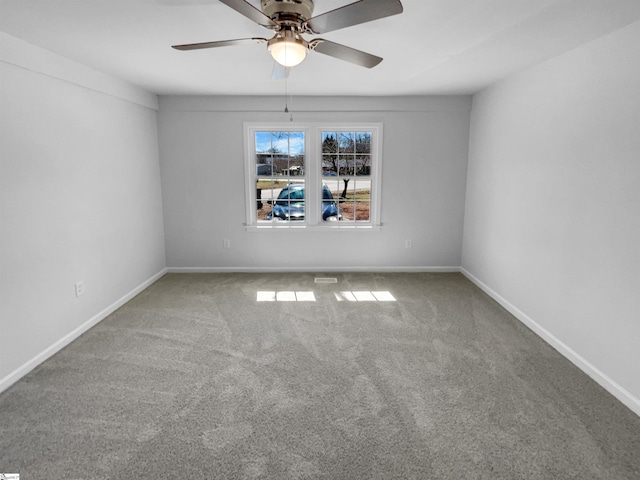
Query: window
x=346 y=165
x=310 y=176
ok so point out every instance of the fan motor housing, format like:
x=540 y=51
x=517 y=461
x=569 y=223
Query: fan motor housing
x=282 y=10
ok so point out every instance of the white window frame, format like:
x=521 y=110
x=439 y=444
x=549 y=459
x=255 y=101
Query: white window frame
x=313 y=176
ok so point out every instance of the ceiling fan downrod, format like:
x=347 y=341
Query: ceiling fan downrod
x=288 y=13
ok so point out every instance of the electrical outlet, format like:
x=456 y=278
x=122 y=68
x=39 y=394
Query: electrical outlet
x=226 y=243
x=79 y=288
x=408 y=244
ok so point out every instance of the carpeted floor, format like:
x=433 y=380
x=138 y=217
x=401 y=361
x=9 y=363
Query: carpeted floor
x=196 y=379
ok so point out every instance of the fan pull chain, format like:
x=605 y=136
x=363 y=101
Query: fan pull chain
x=286 y=98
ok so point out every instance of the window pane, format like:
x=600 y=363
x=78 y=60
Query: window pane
x=267 y=190
x=363 y=142
x=347 y=142
x=329 y=142
x=279 y=157
x=346 y=164
x=363 y=165
x=330 y=209
x=355 y=200
x=296 y=154
x=264 y=158
x=353 y=153
x=287 y=203
x=329 y=165
x=279 y=154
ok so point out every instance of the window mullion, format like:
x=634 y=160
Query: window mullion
x=311 y=175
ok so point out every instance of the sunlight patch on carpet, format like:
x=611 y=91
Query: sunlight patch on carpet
x=364 y=296
x=285 y=296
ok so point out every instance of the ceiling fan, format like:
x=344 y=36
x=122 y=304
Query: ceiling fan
x=290 y=19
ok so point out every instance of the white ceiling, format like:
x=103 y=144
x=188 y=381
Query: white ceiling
x=434 y=47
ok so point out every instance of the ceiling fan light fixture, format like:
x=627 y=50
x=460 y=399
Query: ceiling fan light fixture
x=288 y=49
x=292 y=18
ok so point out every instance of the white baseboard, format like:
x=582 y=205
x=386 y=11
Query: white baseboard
x=338 y=269
x=603 y=380
x=21 y=371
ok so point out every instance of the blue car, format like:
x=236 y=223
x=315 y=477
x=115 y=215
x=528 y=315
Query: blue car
x=291 y=201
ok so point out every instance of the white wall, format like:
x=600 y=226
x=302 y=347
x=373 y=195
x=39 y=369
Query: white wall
x=423 y=184
x=80 y=200
x=552 y=225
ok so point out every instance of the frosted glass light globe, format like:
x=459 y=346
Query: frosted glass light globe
x=288 y=52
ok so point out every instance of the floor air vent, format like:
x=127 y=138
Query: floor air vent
x=326 y=280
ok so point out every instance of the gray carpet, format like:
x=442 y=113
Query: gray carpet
x=195 y=379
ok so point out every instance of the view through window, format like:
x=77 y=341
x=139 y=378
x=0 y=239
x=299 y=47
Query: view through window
x=313 y=176
x=346 y=167
x=280 y=169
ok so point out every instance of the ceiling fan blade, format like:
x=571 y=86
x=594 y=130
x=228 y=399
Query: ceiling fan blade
x=280 y=72
x=252 y=13
x=342 y=52
x=222 y=43
x=354 y=14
